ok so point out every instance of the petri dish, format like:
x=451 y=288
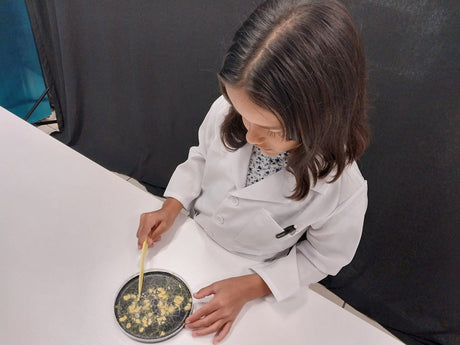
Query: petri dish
x=160 y=313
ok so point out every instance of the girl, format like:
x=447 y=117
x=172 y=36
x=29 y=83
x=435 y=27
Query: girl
x=274 y=175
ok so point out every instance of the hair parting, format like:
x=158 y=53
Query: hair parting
x=303 y=60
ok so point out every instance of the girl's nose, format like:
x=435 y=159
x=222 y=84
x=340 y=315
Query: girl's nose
x=253 y=135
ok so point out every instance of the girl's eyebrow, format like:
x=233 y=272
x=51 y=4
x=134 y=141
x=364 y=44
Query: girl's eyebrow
x=271 y=128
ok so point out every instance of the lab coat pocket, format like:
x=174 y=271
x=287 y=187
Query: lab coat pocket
x=258 y=235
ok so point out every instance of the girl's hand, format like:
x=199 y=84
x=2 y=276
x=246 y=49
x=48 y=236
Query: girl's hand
x=230 y=295
x=154 y=224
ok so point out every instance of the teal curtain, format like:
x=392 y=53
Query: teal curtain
x=21 y=79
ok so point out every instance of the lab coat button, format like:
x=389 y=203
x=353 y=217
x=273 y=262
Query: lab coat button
x=220 y=219
x=234 y=201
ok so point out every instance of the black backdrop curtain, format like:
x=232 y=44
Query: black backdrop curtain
x=405 y=273
x=132 y=80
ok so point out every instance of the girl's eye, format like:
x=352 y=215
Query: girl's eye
x=275 y=133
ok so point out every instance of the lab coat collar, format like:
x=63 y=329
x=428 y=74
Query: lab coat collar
x=274 y=188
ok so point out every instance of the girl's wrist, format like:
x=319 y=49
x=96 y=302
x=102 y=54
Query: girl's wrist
x=172 y=206
x=257 y=287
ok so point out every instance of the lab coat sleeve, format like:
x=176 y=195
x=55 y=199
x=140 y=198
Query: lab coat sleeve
x=327 y=248
x=185 y=183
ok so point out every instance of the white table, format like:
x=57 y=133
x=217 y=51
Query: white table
x=67 y=244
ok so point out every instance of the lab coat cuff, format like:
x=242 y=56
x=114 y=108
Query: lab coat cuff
x=281 y=275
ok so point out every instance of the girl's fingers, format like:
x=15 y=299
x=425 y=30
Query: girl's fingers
x=207 y=309
x=222 y=333
x=203 y=322
x=157 y=229
x=142 y=224
x=204 y=292
x=152 y=230
x=155 y=234
x=212 y=328
x=142 y=231
x=199 y=315
x=139 y=243
x=142 y=236
x=149 y=241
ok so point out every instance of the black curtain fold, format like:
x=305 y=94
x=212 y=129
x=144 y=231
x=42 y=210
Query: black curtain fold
x=132 y=80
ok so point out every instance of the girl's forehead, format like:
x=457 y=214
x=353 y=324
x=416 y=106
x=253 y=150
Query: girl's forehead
x=251 y=111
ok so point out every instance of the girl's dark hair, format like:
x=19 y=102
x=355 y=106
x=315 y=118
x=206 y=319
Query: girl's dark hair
x=304 y=62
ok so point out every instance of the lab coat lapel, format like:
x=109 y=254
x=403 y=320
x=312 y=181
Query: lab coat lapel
x=239 y=162
x=274 y=188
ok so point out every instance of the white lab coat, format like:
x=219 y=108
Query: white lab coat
x=245 y=220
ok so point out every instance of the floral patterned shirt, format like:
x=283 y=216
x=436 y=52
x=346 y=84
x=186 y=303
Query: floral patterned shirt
x=261 y=165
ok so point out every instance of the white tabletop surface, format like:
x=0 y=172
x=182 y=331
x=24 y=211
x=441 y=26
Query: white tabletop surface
x=67 y=244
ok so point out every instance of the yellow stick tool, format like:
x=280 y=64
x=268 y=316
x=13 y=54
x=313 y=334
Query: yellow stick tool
x=145 y=246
